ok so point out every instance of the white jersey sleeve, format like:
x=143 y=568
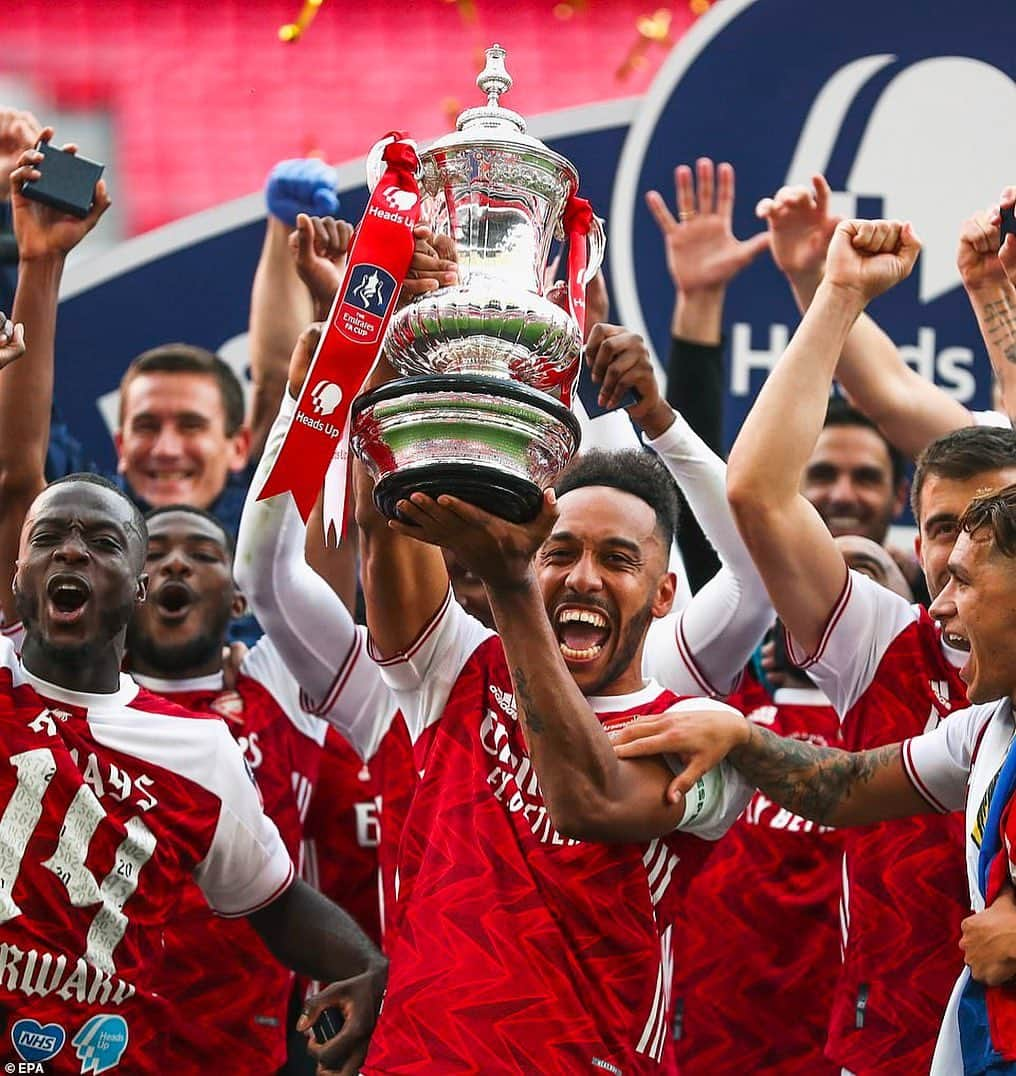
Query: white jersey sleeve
x=861 y=626
x=991 y=418
x=316 y=653
x=718 y=798
x=264 y=663
x=716 y=634
x=938 y=763
x=421 y=677
x=612 y=432
x=247 y=865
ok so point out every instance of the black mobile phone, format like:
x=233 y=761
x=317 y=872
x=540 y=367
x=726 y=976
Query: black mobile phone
x=327 y=1025
x=67 y=182
x=1008 y=225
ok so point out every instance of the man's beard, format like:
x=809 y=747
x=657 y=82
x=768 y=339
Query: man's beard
x=627 y=647
x=172 y=660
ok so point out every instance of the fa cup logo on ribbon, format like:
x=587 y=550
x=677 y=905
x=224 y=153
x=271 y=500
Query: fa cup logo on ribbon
x=378 y=262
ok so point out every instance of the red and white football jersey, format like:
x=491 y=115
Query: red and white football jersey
x=108 y=804
x=343 y=833
x=230 y=1012
x=757 y=945
x=517 y=949
x=884 y=667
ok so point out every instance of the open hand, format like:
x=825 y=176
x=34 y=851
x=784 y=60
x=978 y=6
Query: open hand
x=319 y=246
x=357 y=1000
x=868 y=257
x=702 y=251
x=800 y=227
x=702 y=739
x=40 y=230
x=494 y=550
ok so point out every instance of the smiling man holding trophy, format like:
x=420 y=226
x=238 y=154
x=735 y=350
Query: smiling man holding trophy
x=537 y=873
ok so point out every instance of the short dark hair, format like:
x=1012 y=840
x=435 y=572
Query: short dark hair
x=841 y=413
x=87 y=477
x=189 y=359
x=632 y=471
x=963 y=454
x=201 y=513
x=996 y=510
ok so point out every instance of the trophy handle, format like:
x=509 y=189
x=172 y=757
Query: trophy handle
x=597 y=240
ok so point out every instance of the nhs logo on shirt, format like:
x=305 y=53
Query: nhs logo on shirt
x=902 y=106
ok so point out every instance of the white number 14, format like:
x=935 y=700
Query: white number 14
x=36 y=770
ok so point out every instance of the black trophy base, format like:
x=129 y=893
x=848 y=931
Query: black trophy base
x=509 y=496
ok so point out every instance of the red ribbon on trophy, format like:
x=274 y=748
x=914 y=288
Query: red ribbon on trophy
x=577 y=223
x=378 y=261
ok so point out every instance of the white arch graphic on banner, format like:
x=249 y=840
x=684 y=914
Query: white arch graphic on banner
x=622 y=208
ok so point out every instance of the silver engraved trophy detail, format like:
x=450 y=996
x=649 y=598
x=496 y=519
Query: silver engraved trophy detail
x=488 y=360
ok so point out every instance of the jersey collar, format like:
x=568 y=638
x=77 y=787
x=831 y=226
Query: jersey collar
x=617 y=704
x=85 y=700
x=211 y=682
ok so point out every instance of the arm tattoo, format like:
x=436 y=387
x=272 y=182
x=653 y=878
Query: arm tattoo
x=1000 y=327
x=534 y=722
x=808 y=780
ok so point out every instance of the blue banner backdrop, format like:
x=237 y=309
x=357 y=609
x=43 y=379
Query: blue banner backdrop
x=902 y=106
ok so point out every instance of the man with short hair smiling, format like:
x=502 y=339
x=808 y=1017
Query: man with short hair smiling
x=182 y=438
x=538 y=878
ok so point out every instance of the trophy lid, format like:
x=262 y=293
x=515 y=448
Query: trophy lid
x=492 y=123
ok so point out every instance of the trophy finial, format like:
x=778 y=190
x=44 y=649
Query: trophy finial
x=494 y=79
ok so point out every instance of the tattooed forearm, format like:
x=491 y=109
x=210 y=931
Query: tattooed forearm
x=524 y=699
x=999 y=322
x=808 y=780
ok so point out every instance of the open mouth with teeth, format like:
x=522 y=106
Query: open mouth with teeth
x=582 y=633
x=68 y=595
x=173 y=600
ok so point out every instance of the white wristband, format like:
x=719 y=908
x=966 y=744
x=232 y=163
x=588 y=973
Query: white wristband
x=701 y=801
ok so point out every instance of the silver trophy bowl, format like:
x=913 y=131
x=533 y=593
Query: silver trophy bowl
x=494 y=443
x=488 y=359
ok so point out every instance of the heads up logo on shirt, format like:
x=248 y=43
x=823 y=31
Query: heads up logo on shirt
x=901 y=106
x=37 y=1042
x=101 y=1042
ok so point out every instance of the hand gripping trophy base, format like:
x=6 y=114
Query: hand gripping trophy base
x=493 y=443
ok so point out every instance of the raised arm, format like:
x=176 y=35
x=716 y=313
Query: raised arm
x=404 y=581
x=911 y=410
x=45 y=237
x=795 y=554
x=992 y=298
x=718 y=631
x=590 y=794
x=281 y=304
x=703 y=256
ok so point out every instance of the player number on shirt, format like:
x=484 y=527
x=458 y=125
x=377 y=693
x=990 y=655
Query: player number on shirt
x=35 y=770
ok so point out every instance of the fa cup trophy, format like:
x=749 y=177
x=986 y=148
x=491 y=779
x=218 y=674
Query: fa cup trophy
x=491 y=361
